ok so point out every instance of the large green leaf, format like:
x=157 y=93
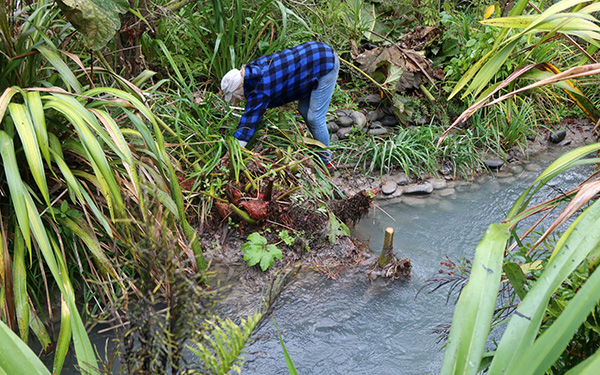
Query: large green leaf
x=476 y=304
x=549 y=346
x=591 y=366
x=20 y=286
x=16 y=357
x=524 y=324
x=98 y=20
x=22 y=120
x=64 y=338
x=15 y=184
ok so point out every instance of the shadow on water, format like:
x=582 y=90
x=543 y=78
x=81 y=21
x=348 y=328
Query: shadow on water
x=353 y=326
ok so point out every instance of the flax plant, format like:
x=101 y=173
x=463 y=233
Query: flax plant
x=523 y=348
x=71 y=154
x=543 y=330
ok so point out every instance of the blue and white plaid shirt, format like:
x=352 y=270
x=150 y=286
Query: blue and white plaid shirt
x=280 y=78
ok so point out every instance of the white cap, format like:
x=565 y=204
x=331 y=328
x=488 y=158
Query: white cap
x=231 y=82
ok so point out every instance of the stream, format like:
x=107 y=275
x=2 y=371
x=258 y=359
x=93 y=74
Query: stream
x=350 y=326
x=354 y=326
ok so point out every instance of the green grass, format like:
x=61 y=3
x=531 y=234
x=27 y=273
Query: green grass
x=411 y=150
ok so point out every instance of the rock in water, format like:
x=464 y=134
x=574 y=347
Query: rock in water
x=558 y=136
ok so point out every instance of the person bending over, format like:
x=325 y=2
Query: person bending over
x=306 y=73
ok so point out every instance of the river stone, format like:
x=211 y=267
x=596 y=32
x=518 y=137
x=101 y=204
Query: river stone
x=374 y=116
x=516 y=169
x=446 y=192
x=532 y=167
x=425 y=188
x=376 y=125
x=373 y=99
x=398 y=193
x=509 y=180
x=344 y=133
x=438 y=183
x=503 y=174
x=389 y=187
x=413 y=201
x=493 y=163
x=389 y=121
x=344 y=121
x=558 y=136
x=343 y=112
x=332 y=127
x=401 y=179
x=445 y=205
x=359 y=119
x=334 y=138
x=379 y=131
x=387 y=111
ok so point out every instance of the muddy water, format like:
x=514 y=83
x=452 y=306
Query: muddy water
x=353 y=326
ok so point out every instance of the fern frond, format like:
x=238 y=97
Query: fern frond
x=224 y=342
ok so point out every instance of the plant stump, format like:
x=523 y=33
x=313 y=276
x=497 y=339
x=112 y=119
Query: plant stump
x=388 y=265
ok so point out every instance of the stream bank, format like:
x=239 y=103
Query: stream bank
x=348 y=255
x=396 y=187
x=354 y=326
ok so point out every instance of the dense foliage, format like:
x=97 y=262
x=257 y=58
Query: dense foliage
x=112 y=145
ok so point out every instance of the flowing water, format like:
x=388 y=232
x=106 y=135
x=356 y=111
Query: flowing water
x=354 y=326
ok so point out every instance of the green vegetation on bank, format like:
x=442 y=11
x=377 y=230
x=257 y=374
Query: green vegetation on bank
x=112 y=134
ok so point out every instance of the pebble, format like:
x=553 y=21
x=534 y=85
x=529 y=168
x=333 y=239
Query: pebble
x=413 y=201
x=566 y=142
x=558 y=136
x=373 y=99
x=379 y=131
x=359 y=120
x=402 y=179
x=389 y=187
x=343 y=112
x=503 y=174
x=425 y=188
x=344 y=133
x=344 y=121
x=446 y=192
x=374 y=116
x=532 y=167
x=438 y=183
x=332 y=127
x=517 y=169
x=493 y=163
x=389 y=121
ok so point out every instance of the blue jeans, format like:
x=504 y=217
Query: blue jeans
x=314 y=108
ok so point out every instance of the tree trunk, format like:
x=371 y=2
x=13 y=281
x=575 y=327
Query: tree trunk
x=130 y=58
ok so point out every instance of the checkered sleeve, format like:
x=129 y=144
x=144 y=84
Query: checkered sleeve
x=256 y=106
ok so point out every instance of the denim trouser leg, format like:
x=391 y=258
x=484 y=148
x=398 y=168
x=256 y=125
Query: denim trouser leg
x=314 y=109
